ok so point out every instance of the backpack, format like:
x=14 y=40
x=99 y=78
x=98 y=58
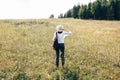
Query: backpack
x=55 y=43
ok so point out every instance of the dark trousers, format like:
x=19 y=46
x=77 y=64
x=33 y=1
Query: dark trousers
x=59 y=49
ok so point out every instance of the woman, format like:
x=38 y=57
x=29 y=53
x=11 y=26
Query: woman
x=60 y=34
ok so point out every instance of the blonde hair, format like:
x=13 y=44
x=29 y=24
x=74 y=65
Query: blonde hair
x=59 y=27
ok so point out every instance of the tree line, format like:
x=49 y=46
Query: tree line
x=98 y=10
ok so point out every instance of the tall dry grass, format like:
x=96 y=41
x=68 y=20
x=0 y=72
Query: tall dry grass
x=92 y=51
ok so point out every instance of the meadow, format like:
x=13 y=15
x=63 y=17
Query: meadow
x=92 y=52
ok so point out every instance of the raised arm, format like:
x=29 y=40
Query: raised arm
x=67 y=32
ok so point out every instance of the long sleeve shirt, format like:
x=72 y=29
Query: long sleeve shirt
x=61 y=36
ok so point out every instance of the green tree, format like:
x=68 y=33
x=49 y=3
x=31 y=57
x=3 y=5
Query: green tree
x=75 y=11
x=89 y=11
x=104 y=9
x=118 y=9
x=61 y=16
x=51 y=16
x=68 y=14
x=83 y=12
x=111 y=10
x=98 y=10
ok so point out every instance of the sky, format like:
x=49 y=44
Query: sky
x=30 y=9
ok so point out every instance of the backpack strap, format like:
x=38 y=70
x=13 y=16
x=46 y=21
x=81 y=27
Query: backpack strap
x=56 y=36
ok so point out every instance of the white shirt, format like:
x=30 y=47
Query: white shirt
x=61 y=36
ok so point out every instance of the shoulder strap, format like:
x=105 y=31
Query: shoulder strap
x=56 y=35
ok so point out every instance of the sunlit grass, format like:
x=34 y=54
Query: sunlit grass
x=92 y=51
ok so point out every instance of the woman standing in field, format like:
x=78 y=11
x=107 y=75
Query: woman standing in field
x=60 y=34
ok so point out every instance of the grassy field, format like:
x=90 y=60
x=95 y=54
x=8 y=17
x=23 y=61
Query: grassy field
x=92 y=51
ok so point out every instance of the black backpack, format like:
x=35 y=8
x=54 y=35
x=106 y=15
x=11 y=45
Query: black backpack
x=55 y=43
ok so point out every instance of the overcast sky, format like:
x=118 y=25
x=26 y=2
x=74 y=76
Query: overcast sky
x=19 y=9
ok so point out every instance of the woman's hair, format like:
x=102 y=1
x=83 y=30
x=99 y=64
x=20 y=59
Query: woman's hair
x=59 y=27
